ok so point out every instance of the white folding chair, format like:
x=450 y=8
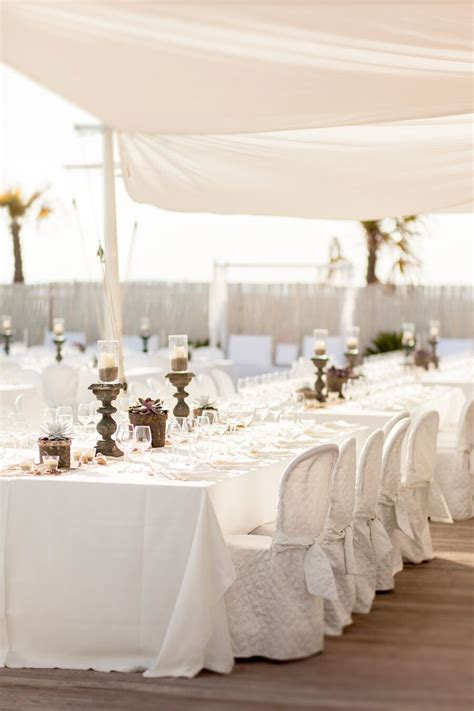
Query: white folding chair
x=371 y=541
x=338 y=541
x=419 y=488
x=286 y=353
x=275 y=607
x=224 y=382
x=60 y=385
x=250 y=354
x=455 y=466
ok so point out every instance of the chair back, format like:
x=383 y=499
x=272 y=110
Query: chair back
x=60 y=383
x=466 y=426
x=206 y=386
x=251 y=350
x=286 y=353
x=392 y=460
x=304 y=492
x=388 y=427
x=341 y=506
x=369 y=469
x=224 y=382
x=420 y=464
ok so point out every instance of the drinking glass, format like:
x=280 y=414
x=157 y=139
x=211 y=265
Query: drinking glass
x=95 y=415
x=176 y=436
x=142 y=440
x=84 y=413
x=64 y=410
x=125 y=439
x=65 y=419
x=50 y=414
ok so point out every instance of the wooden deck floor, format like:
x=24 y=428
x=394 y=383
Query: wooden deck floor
x=413 y=652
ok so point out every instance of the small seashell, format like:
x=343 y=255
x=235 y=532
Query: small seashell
x=100 y=459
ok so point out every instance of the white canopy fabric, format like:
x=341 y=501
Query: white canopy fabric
x=342 y=109
x=200 y=67
x=357 y=172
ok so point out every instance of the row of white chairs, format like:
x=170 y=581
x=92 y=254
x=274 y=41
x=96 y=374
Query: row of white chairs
x=343 y=530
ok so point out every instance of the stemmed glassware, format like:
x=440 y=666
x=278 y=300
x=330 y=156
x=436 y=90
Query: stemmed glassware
x=142 y=440
x=84 y=412
x=125 y=438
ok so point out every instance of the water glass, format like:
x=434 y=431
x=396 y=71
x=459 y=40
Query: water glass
x=125 y=439
x=142 y=440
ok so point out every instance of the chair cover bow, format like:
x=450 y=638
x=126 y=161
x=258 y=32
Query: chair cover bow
x=381 y=543
x=347 y=535
x=400 y=509
x=318 y=572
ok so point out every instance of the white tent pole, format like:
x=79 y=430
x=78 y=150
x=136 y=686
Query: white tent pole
x=113 y=301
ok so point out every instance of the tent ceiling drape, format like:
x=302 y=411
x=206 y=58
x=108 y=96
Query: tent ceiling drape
x=312 y=108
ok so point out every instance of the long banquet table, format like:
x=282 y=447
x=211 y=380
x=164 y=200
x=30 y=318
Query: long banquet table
x=111 y=571
x=124 y=572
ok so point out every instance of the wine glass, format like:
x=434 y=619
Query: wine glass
x=125 y=439
x=95 y=415
x=142 y=440
x=64 y=410
x=84 y=413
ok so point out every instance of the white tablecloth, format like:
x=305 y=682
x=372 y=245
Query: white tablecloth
x=113 y=571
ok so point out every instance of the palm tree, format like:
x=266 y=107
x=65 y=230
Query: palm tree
x=17 y=209
x=395 y=233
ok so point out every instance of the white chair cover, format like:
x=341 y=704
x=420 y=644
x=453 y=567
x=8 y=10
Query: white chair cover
x=60 y=385
x=371 y=541
x=455 y=467
x=206 y=386
x=419 y=487
x=338 y=543
x=286 y=353
x=391 y=506
x=224 y=382
x=388 y=427
x=252 y=350
x=275 y=607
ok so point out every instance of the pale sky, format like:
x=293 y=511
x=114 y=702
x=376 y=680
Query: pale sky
x=37 y=143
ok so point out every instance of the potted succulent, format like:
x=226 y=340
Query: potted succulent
x=203 y=403
x=56 y=440
x=150 y=412
x=422 y=358
x=336 y=379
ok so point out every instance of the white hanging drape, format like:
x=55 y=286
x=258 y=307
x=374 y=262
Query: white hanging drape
x=358 y=172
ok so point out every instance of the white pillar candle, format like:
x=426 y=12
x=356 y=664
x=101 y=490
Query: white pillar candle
x=320 y=347
x=107 y=360
x=58 y=327
x=144 y=326
x=6 y=323
x=352 y=343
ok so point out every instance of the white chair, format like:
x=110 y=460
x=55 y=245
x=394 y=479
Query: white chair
x=224 y=382
x=60 y=385
x=338 y=542
x=391 y=508
x=31 y=406
x=419 y=488
x=250 y=354
x=206 y=386
x=205 y=353
x=455 y=465
x=275 y=607
x=371 y=541
x=286 y=354
x=388 y=427
x=452 y=346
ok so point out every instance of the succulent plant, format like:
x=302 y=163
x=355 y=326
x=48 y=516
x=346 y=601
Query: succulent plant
x=204 y=402
x=56 y=430
x=147 y=406
x=339 y=372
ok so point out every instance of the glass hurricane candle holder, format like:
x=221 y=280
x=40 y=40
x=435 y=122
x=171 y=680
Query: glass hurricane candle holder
x=433 y=331
x=320 y=336
x=178 y=349
x=145 y=326
x=7 y=324
x=108 y=357
x=58 y=327
x=352 y=340
x=408 y=334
